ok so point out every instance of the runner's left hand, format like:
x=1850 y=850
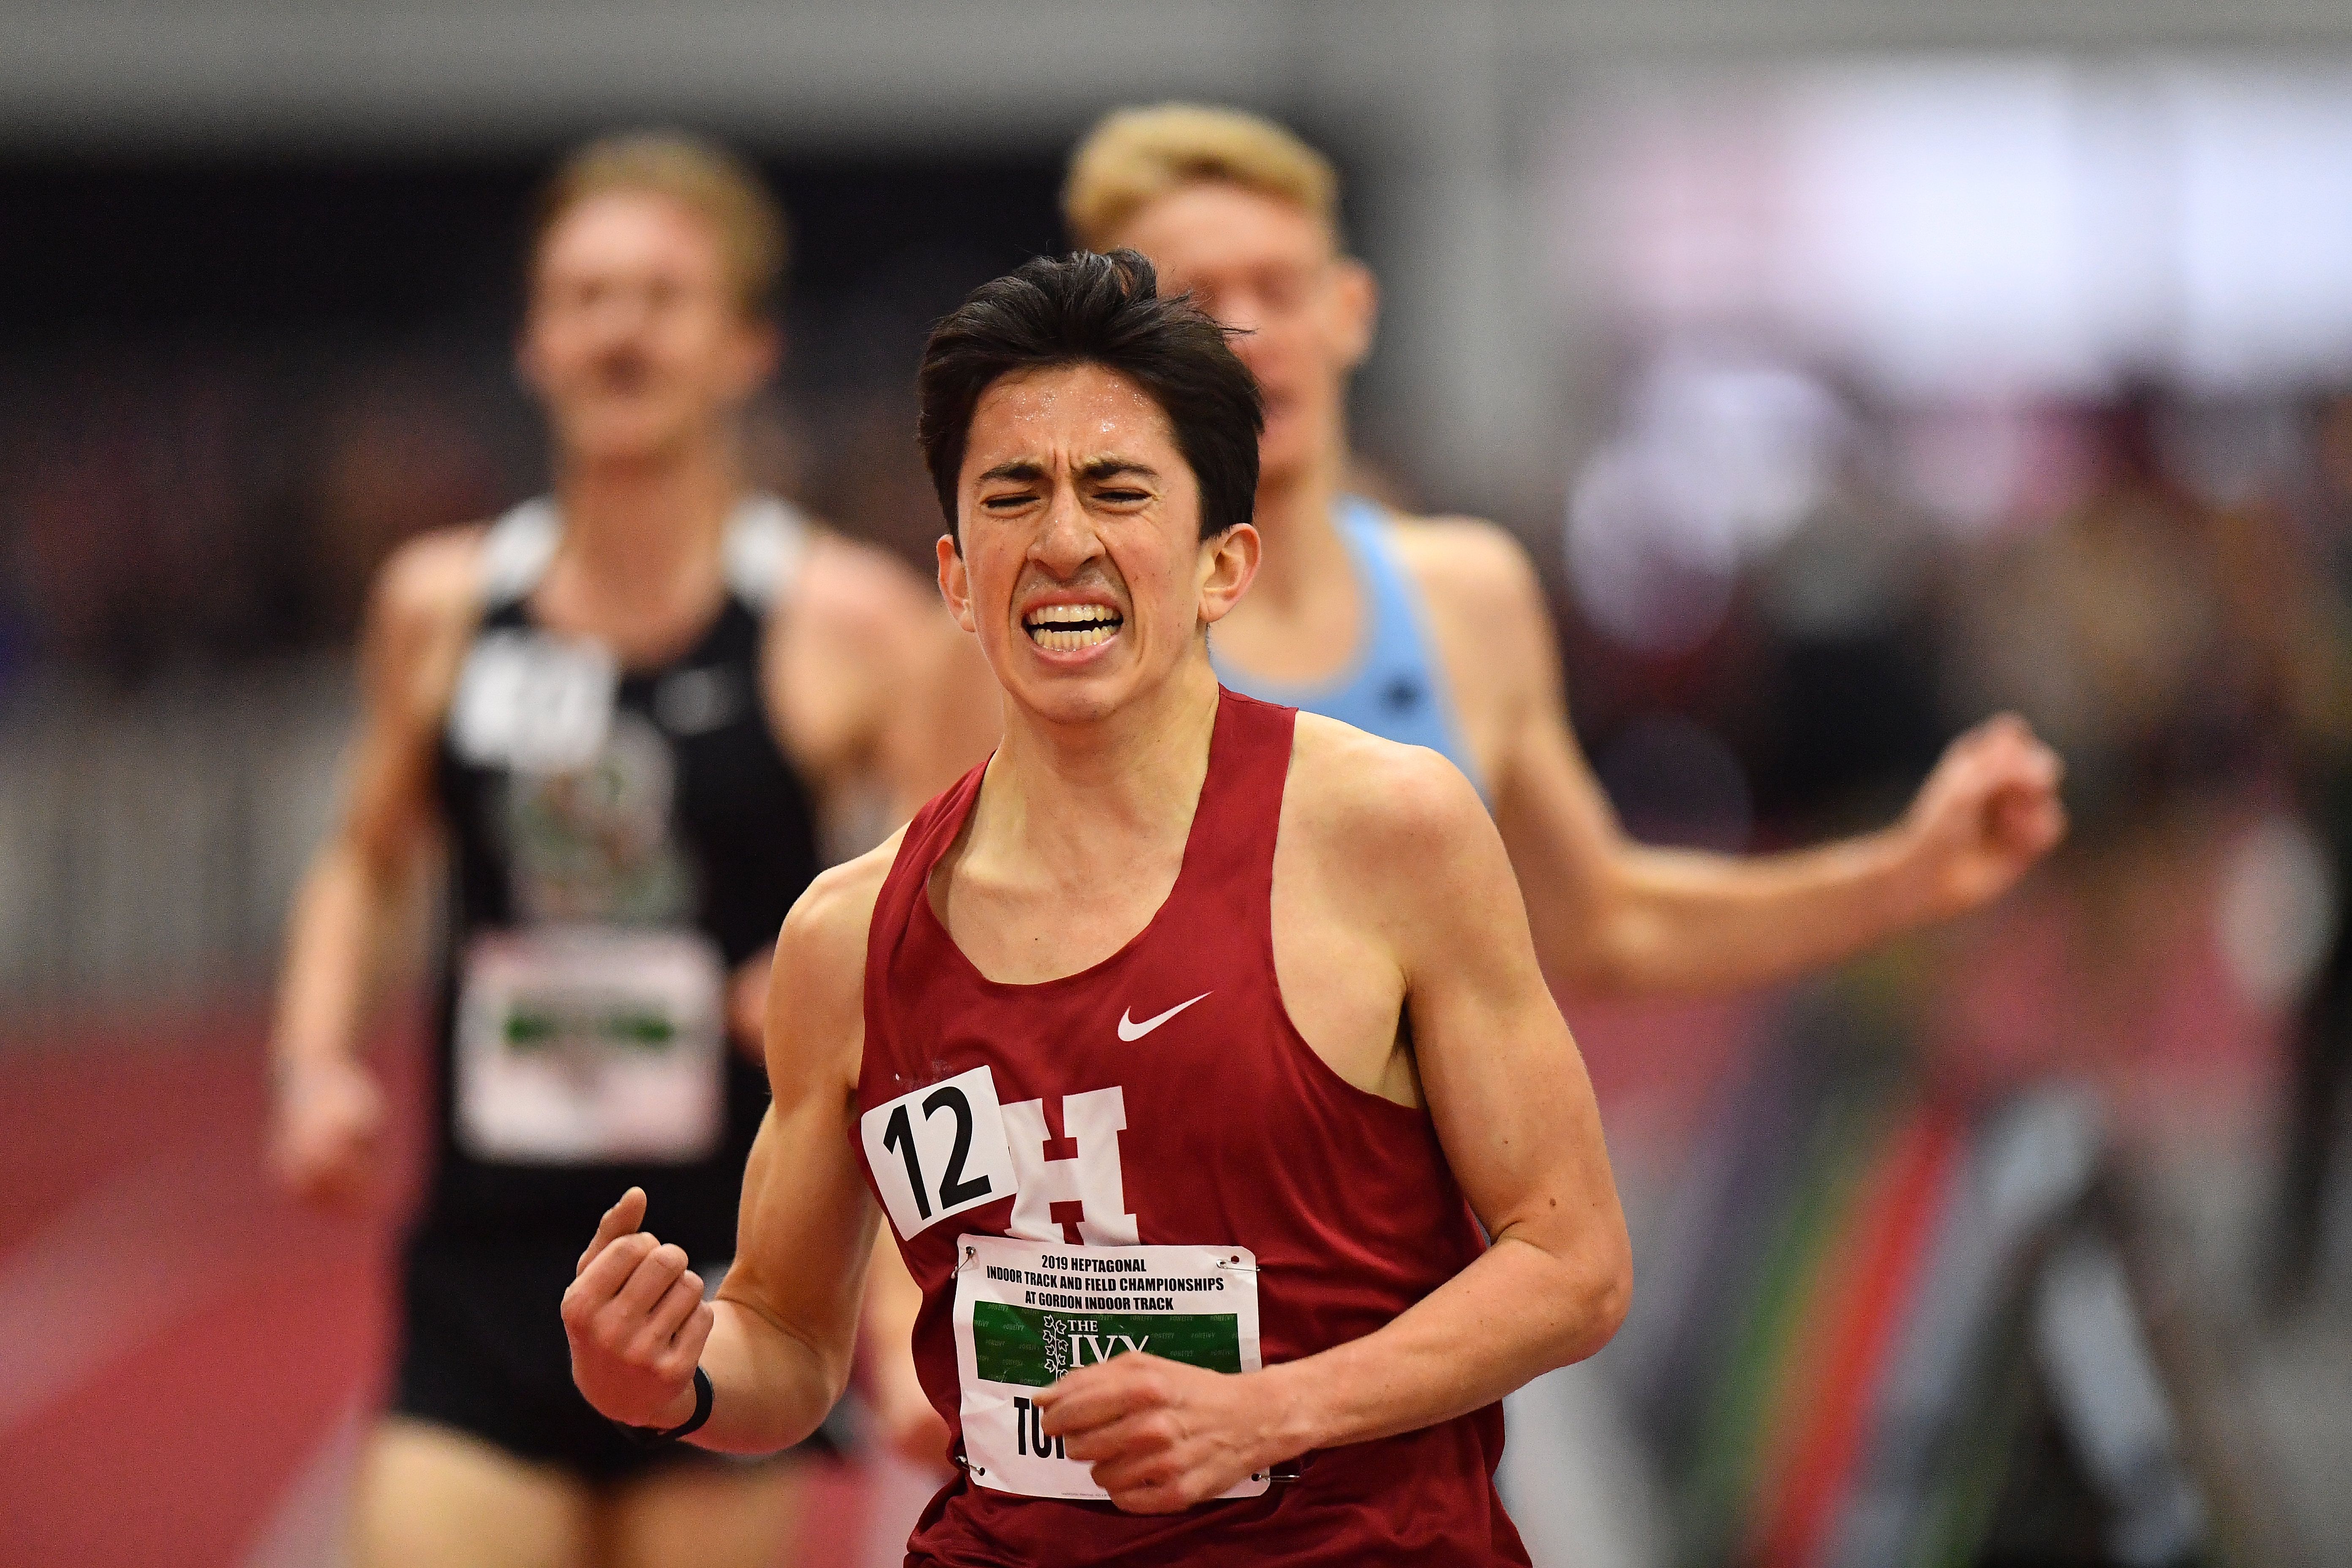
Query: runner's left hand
x=1160 y=1436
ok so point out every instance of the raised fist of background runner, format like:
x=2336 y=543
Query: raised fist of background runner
x=636 y=1320
x=1988 y=811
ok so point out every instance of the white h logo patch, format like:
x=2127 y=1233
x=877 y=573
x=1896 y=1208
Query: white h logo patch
x=1092 y=1180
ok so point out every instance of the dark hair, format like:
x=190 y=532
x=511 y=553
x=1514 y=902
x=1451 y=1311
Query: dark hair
x=1085 y=309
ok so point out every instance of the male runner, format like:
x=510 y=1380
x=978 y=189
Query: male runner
x=1188 y=1028
x=625 y=709
x=1433 y=631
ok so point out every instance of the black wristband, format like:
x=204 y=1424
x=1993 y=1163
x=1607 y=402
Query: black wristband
x=702 y=1400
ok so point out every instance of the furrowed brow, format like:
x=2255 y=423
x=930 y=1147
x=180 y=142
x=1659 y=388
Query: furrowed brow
x=1021 y=470
x=1103 y=469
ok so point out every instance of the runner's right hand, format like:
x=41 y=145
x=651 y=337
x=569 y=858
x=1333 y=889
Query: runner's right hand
x=326 y=1128
x=636 y=1320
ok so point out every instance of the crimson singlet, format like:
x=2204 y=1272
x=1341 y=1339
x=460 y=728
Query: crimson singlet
x=1235 y=1134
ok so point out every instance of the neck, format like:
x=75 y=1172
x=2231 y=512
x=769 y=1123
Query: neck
x=1069 y=796
x=1304 y=550
x=642 y=524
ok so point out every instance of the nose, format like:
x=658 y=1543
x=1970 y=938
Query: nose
x=618 y=316
x=1066 y=540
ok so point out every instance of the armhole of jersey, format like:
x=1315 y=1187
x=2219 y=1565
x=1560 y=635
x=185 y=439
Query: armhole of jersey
x=907 y=882
x=1405 y=618
x=766 y=545
x=516 y=551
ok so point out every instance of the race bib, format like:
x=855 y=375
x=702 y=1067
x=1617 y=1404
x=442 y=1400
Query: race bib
x=938 y=1151
x=1027 y=1313
x=581 y=1046
x=533 y=702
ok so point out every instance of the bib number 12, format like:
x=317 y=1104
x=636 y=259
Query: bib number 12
x=938 y=1151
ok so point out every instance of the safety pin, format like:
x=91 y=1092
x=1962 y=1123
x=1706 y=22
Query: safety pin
x=970 y=1256
x=1236 y=1266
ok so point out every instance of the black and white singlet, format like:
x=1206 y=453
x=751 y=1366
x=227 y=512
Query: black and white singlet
x=621 y=839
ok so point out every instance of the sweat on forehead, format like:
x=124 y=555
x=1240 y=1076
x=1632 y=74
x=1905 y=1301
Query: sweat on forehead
x=1083 y=392
x=1082 y=420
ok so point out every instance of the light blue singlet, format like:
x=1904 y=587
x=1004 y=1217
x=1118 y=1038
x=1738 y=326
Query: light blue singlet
x=1396 y=688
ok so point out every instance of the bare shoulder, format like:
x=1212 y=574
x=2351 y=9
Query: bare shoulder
x=1375 y=806
x=430 y=582
x=824 y=935
x=420 y=610
x=816 y=1001
x=1471 y=564
x=859 y=589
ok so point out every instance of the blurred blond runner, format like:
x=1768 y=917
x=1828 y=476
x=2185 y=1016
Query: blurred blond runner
x=1433 y=630
x=1240 y=213
x=626 y=709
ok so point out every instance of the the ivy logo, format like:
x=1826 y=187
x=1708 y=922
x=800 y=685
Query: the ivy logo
x=1029 y=1348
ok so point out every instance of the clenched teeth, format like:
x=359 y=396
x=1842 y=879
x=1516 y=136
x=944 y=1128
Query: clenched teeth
x=1066 y=628
x=1070 y=642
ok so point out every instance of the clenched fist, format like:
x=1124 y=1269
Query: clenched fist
x=636 y=1320
x=1984 y=817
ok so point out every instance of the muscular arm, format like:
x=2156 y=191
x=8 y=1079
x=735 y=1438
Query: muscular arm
x=1617 y=916
x=1611 y=915
x=325 y=1114
x=776 y=1344
x=1515 y=1115
x=1413 y=852
x=875 y=687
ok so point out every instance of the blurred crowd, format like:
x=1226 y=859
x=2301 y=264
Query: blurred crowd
x=1780 y=596
x=224 y=505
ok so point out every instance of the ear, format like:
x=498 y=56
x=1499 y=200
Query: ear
x=1356 y=303
x=764 y=349
x=1228 y=563
x=955 y=583
x=751 y=357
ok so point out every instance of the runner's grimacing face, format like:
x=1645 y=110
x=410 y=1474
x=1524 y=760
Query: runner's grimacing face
x=1083 y=573
x=634 y=338
x=1267 y=267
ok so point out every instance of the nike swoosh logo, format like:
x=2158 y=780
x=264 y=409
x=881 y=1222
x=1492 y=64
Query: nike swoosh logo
x=1129 y=1029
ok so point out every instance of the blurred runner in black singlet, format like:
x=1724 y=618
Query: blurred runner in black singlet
x=625 y=707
